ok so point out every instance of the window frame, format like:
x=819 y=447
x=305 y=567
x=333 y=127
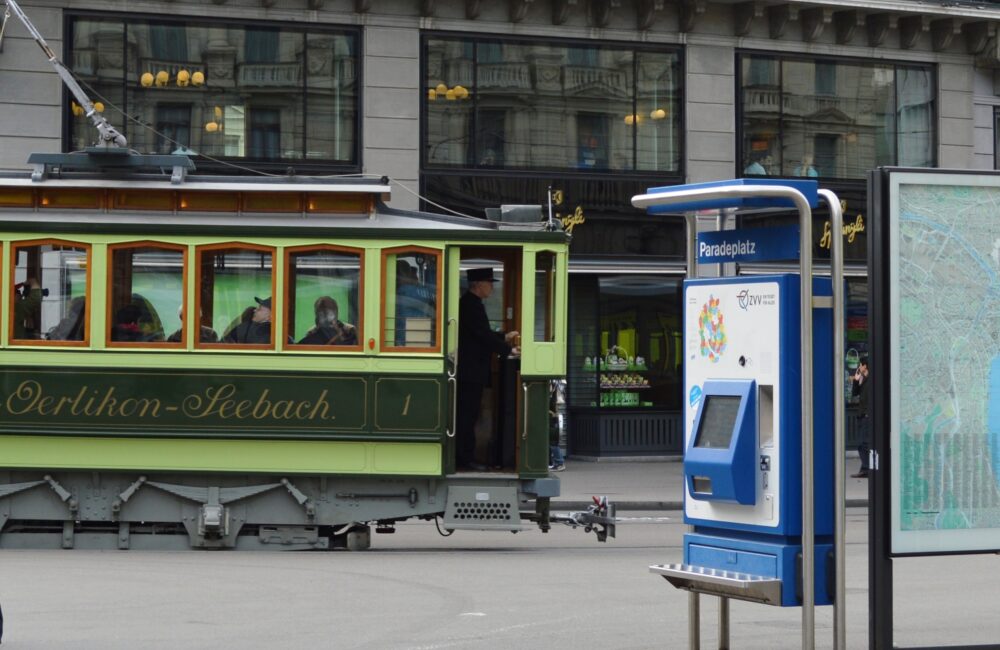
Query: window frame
x=222 y=164
x=109 y=306
x=438 y=298
x=663 y=177
x=781 y=58
x=220 y=345
x=359 y=326
x=88 y=293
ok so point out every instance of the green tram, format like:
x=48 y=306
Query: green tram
x=126 y=423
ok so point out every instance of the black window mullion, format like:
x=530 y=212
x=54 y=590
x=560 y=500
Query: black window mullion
x=305 y=93
x=635 y=111
x=474 y=118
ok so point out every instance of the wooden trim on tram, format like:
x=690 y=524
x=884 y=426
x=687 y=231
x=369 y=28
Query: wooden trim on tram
x=14 y=247
x=359 y=327
x=110 y=266
x=233 y=245
x=439 y=290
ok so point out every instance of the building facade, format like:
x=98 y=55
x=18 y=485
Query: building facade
x=470 y=104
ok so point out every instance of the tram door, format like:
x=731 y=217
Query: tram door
x=496 y=440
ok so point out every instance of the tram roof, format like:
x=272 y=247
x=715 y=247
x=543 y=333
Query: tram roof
x=293 y=223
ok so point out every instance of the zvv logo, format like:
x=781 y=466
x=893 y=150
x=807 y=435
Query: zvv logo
x=747 y=300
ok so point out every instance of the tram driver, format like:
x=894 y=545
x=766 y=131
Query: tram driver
x=476 y=345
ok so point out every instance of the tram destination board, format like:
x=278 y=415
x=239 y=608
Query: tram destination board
x=199 y=403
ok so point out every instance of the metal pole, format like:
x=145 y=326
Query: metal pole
x=694 y=621
x=839 y=447
x=723 y=623
x=808 y=497
x=694 y=603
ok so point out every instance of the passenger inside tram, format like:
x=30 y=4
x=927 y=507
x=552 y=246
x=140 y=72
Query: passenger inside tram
x=329 y=329
x=73 y=325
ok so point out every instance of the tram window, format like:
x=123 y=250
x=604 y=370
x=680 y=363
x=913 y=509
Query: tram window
x=146 y=294
x=324 y=297
x=51 y=284
x=235 y=289
x=545 y=296
x=412 y=280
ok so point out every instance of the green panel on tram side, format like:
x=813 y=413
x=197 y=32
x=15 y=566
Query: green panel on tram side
x=205 y=403
x=409 y=404
x=192 y=403
x=534 y=456
x=201 y=455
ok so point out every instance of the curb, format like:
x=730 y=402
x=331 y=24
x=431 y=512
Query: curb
x=556 y=504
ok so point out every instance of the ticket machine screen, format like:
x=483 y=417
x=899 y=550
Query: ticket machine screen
x=718 y=421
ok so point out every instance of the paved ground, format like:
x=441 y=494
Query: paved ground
x=650 y=485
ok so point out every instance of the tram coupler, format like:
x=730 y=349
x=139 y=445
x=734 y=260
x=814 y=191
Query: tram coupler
x=599 y=518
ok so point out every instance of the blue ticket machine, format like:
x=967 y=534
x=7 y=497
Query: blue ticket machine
x=743 y=438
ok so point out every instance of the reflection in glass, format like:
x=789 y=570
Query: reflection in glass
x=50 y=292
x=545 y=296
x=147 y=294
x=411 y=309
x=834 y=119
x=235 y=295
x=223 y=90
x=324 y=297
x=530 y=105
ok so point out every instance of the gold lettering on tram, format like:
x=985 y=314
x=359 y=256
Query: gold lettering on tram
x=217 y=402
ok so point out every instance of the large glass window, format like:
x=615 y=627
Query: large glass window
x=324 y=296
x=834 y=119
x=146 y=298
x=221 y=89
x=412 y=280
x=626 y=345
x=235 y=290
x=519 y=105
x=51 y=288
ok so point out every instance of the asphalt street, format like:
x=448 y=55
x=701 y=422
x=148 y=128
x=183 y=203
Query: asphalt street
x=418 y=590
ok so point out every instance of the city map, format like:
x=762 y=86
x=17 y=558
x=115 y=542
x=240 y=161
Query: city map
x=947 y=455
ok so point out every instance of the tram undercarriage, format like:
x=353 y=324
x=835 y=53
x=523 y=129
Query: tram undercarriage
x=104 y=510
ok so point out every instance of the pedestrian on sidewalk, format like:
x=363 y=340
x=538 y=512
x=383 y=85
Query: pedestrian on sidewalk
x=860 y=388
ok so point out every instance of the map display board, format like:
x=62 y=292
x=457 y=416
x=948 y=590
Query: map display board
x=944 y=320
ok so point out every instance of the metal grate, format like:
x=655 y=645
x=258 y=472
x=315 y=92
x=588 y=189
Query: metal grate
x=482 y=508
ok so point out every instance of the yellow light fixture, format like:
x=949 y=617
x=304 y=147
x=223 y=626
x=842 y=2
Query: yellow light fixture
x=632 y=119
x=99 y=107
x=461 y=92
x=211 y=127
x=658 y=114
x=198 y=78
x=450 y=95
x=431 y=94
x=218 y=112
x=146 y=80
x=162 y=77
x=441 y=89
x=183 y=78
x=76 y=108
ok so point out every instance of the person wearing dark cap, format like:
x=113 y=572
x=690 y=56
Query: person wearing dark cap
x=476 y=345
x=255 y=330
x=329 y=330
